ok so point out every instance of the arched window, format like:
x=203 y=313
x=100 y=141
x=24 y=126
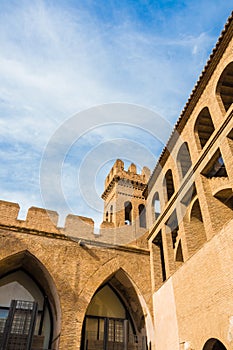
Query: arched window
x=225 y=86
x=184 y=160
x=128 y=213
x=24 y=313
x=29 y=304
x=214 y=344
x=204 y=127
x=114 y=318
x=169 y=184
x=111 y=213
x=106 y=217
x=142 y=215
x=156 y=205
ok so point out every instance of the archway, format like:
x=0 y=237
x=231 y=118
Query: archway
x=224 y=88
x=29 y=306
x=214 y=344
x=114 y=318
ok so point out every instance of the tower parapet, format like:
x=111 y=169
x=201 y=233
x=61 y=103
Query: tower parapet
x=123 y=195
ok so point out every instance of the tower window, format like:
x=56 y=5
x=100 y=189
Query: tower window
x=128 y=213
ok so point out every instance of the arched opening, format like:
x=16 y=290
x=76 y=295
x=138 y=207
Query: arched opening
x=173 y=227
x=114 y=317
x=111 y=213
x=156 y=206
x=106 y=216
x=215 y=167
x=226 y=197
x=184 y=160
x=128 y=213
x=214 y=344
x=204 y=127
x=179 y=254
x=169 y=184
x=196 y=235
x=225 y=86
x=142 y=215
x=29 y=310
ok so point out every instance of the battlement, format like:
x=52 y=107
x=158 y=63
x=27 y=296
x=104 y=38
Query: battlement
x=119 y=173
x=43 y=221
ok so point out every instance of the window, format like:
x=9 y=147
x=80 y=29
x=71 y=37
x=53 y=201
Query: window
x=169 y=184
x=204 y=127
x=225 y=86
x=128 y=213
x=184 y=160
x=156 y=205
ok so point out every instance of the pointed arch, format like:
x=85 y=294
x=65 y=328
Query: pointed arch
x=214 y=344
x=169 y=184
x=179 y=253
x=224 y=88
x=204 y=127
x=196 y=234
x=23 y=263
x=184 y=160
x=127 y=292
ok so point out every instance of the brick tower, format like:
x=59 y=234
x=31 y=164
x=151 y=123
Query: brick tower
x=124 y=203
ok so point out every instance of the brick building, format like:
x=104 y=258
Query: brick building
x=158 y=276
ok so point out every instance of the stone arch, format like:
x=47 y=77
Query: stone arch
x=179 y=253
x=26 y=263
x=203 y=128
x=156 y=208
x=224 y=88
x=225 y=196
x=214 y=344
x=119 y=280
x=169 y=184
x=196 y=234
x=183 y=160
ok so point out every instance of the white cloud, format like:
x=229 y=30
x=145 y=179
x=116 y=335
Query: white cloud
x=56 y=61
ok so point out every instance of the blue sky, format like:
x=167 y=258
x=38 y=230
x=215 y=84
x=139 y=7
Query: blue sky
x=59 y=59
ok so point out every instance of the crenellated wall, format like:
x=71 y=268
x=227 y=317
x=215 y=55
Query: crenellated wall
x=77 y=227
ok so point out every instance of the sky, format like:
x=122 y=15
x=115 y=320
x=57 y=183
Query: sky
x=85 y=82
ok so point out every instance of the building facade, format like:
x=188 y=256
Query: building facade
x=158 y=275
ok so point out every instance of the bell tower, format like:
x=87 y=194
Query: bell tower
x=124 y=202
